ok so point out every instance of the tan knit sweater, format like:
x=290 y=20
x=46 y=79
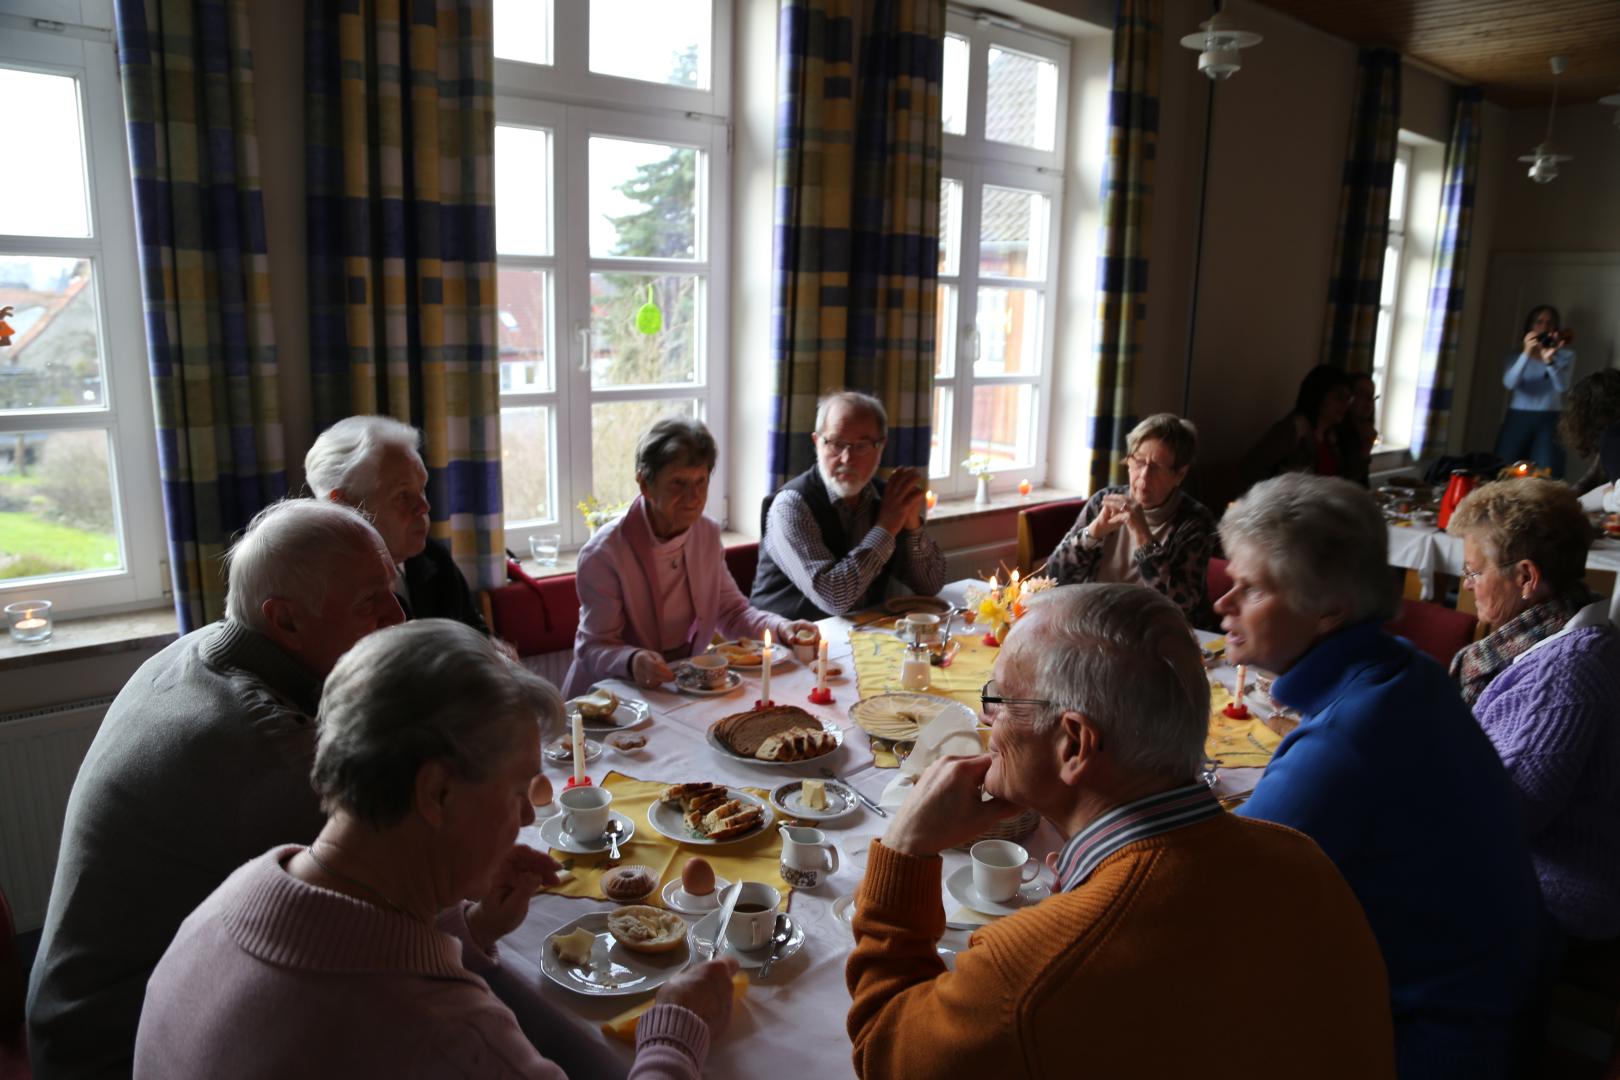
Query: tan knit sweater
x=1229 y=948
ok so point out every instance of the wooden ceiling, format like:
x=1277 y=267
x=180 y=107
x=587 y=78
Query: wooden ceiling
x=1502 y=45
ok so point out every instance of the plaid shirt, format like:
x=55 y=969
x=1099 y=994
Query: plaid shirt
x=1476 y=665
x=1127 y=824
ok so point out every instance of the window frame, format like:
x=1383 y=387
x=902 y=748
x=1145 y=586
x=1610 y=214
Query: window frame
x=575 y=104
x=1394 y=271
x=87 y=53
x=976 y=162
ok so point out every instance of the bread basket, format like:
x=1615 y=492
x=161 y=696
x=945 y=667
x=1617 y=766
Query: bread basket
x=1014 y=828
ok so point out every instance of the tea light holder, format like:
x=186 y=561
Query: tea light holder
x=30 y=621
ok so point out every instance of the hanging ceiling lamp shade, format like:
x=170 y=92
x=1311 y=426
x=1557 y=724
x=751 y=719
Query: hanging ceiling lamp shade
x=1543 y=162
x=1218 y=44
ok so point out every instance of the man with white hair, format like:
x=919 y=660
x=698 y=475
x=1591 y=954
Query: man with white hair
x=372 y=464
x=202 y=762
x=836 y=538
x=1099 y=710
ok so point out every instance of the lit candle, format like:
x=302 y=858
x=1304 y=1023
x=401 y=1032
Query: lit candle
x=929 y=499
x=821 y=667
x=765 y=671
x=579 y=749
x=1024 y=488
x=29 y=621
x=1014 y=580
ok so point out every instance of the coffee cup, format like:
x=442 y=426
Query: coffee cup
x=754 y=917
x=921 y=627
x=1000 y=867
x=806 y=855
x=585 y=812
x=706 y=671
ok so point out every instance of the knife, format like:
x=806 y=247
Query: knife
x=727 y=906
x=868 y=803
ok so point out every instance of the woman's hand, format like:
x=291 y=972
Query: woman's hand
x=705 y=989
x=791 y=631
x=504 y=907
x=1115 y=512
x=1535 y=350
x=648 y=669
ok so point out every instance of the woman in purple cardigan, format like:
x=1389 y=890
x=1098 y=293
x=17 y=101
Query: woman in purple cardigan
x=1545 y=686
x=653 y=584
x=358 y=956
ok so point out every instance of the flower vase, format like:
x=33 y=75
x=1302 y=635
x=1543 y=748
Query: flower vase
x=981 y=497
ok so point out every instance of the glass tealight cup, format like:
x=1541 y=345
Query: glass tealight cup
x=30 y=621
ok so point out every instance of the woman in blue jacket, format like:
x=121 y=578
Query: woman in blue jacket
x=1536 y=378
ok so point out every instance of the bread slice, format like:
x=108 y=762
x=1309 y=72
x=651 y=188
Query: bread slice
x=744 y=732
x=796 y=744
x=737 y=824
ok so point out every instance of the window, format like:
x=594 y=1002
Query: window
x=611 y=243
x=1000 y=199
x=80 y=510
x=1414 y=205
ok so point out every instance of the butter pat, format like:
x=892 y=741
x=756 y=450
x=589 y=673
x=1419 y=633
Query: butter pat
x=575 y=948
x=814 y=794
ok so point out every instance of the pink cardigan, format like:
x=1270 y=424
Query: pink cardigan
x=274 y=977
x=616 y=616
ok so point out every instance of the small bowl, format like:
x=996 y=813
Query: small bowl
x=619 y=872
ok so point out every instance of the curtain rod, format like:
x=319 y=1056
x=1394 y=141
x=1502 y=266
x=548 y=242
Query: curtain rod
x=1005 y=22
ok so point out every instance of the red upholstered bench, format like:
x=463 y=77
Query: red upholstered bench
x=1434 y=628
x=540 y=615
x=1041 y=527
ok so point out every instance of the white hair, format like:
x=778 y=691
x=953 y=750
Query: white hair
x=348 y=454
x=294 y=549
x=421 y=691
x=1122 y=656
x=859 y=402
x=1322 y=542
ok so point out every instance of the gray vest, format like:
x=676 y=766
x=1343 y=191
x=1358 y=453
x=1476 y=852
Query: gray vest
x=774 y=591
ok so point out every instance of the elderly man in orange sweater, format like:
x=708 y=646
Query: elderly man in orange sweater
x=1180 y=940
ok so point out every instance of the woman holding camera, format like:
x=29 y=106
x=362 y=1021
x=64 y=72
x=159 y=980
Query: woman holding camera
x=1537 y=378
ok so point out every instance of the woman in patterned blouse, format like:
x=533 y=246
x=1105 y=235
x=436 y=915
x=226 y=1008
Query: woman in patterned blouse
x=1148 y=531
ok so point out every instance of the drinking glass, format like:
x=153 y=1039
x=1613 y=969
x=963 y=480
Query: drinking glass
x=544 y=547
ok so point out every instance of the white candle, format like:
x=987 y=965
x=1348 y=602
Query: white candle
x=579 y=749
x=765 y=670
x=821 y=667
x=31 y=624
x=1242 y=680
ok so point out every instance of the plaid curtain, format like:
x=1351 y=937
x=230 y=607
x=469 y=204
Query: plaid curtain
x=1127 y=198
x=187 y=73
x=1443 y=326
x=857 y=219
x=400 y=118
x=1358 y=248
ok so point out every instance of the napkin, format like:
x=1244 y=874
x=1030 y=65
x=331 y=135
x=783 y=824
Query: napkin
x=950 y=734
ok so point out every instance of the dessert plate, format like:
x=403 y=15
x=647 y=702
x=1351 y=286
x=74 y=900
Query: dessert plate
x=788 y=798
x=667 y=820
x=733 y=680
x=614 y=971
x=629 y=713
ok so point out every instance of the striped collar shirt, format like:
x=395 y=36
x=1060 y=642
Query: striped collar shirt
x=1127 y=824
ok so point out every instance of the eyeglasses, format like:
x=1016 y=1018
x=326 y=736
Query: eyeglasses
x=1136 y=461
x=1470 y=575
x=989 y=695
x=861 y=448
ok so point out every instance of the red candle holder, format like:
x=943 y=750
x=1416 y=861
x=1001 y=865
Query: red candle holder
x=583 y=781
x=1236 y=710
x=820 y=695
x=764 y=704
x=990 y=640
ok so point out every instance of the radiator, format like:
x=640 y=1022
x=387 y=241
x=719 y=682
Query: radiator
x=40 y=754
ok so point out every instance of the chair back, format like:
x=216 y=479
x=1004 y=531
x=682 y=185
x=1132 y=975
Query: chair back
x=537 y=616
x=1434 y=629
x=1041 y=527
x=1217 y=582
x=743 y=562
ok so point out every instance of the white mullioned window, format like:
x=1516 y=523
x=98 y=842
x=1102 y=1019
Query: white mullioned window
x=611 y=170
x=1004 y=92
x=81 y=513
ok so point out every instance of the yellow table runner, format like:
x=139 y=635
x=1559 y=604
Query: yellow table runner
x=756 y=859
x=1237 y=744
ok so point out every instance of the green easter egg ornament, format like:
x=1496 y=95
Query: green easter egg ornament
x=649 y=320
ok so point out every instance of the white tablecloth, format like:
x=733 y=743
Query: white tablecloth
x=1429 y=551
x=793 y=1024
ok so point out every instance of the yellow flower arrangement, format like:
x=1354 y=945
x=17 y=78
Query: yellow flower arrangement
x=1002 y=605
x=597 y=513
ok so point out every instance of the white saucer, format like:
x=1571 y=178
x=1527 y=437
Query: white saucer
x=788 y=798
x=960 y=886
x=703 y=935
x=676 y=898
x=554 y=752
x=843 y=910
x=733 y=681
x=552 y=835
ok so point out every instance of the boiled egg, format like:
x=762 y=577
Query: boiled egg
x=697 y=877
x=540 y=790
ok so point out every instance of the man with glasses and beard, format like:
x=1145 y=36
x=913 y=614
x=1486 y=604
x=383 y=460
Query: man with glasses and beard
x=838 y=539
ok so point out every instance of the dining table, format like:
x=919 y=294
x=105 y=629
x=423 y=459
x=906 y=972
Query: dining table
x=1432 y=551
x=794 y=1022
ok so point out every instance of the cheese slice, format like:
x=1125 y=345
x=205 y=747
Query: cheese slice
x=575 y=948
x=814 y=794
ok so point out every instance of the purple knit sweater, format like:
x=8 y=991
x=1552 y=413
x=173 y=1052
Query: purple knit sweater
x=274 y=977
x=1554 y=717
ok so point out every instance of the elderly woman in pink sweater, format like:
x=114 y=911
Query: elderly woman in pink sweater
x=653 y=585
x=358 y=956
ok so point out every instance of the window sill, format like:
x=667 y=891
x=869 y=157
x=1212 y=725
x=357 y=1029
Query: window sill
x=568 y=561
x=965 y=509
x=97 y=635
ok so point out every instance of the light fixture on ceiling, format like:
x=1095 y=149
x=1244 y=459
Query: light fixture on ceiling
x=1543 y=162
x=1218 y=44
x=1613 y=102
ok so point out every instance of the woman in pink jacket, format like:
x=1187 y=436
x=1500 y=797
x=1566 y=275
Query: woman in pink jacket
x=653 y=585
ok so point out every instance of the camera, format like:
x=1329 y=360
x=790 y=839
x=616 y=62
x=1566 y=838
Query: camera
x=1548 y=340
